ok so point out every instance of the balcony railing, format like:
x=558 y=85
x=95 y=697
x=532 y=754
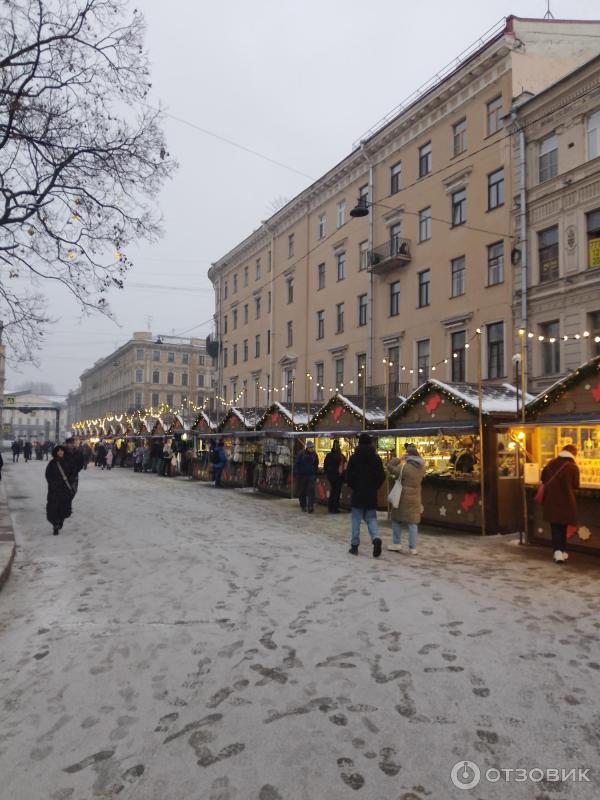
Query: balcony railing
x=391 y=255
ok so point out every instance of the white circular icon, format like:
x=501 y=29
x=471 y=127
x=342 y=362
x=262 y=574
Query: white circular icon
x=465 y=775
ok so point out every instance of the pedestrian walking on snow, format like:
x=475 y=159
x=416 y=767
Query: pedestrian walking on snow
x=334 y=467
x=74 y=463
x=364 y=476
x=27 y=451
x=109 y=458
x=560 y=478
x=218 y=459
x=60 y=491
x=410 y=470
x=305 y=468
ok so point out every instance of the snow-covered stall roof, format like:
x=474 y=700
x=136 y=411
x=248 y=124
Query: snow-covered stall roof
x=585 y=370
x=300 y=415
x=497 y=398
x=249 y=417
x=374 y=412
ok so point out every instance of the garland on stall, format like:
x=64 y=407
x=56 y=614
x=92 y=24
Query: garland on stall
x=441 y=389
x=557 y=390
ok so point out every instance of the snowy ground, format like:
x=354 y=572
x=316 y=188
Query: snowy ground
x=177 y=641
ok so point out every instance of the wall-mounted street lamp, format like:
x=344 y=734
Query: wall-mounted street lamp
x=361 y=209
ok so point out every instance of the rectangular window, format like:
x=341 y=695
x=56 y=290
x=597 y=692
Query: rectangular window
x=234 y=315
x=225 y=290
x=459 y=353
x=548 y=254
x=341 y=266
x=156 y=376
x=594 y=328
x=363 y=256
x=155 y=399
x=234 y=397
x=170 y=378
x=235 y=283
x=495 y=350
x=425 y=224
x=257 y=346
x=290 y=245
x=224 y=392
x=185 y=358
x=361 y=372
x=257 y=269
x=200 y=399
x=593 y=135
x=320 y=324
x=394 y=299
x=257 y=304
x=593 y=238
x=246 y=314
x=494 y=115
x=245 y=276
x=269 y=342
x=459 y=137
x=423 y=358
x=457 y=276
x=459 y=207
x=139 y=376
x=341 y=213
x=339 y=318
x=393 y=370
x=550 y=347
x=290 y=290
x=395 y=178
x=200 y=380
x=548 y=158
x=362 y=310
x=496 y=189
x=269 y=303
x=339 y=373
x=322 y=225
x=139 y=354
x=320 y=377
x=321 y=276
x=224 y=332
x=423 y=295
x=395 y=239
x=363 y=195
x=290 y=333
x=137 y=399
x=169 y=400
x=200 y=360
x=495 y=267
x=184 y=379
x=156 y=355
x=269 y=261
x=424 y=159
x=245 y=349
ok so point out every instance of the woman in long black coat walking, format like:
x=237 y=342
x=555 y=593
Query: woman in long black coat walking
x=60 y=492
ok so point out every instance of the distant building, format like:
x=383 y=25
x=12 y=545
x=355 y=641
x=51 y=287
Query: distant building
x=147 y=371
x=33 y=417
x=73 y=403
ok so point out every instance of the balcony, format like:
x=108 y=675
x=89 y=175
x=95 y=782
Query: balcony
x=391 y=255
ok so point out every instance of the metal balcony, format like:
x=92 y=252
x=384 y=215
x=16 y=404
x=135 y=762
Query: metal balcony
x=391 y=255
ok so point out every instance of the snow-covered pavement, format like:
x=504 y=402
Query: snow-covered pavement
x=177 y=641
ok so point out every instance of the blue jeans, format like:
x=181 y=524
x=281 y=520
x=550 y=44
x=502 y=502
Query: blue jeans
x=412 y=533
x=370 y=517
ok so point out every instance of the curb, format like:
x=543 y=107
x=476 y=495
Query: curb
x=7 y=538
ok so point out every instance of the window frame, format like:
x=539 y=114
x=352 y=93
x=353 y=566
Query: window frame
x=548 y=255
x=396 y=177
x=499 y=265
x=321 y=275
x=340 y=259
x=595 y=131
x=499 y=346
x=547 y=161
x=459 y=137
x=339 y=317
x=550 y=360
x=495 y=194
x=322 y=226
x=425 y=160
x=494 y=115
x=423 y=368
x=423 y=293
x=290 y=245
x=425 y=224
x=341 y=213
x=290 y=290
x=459 y=207
x=363 y=308
x=454 y=272
x=290 y=333
x=395 y=299
x=321 y=324
x=458 y=364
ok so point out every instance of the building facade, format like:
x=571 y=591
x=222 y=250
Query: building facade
x=32 y=417
x=317 y=300
x=148 y=372
x=558 y=297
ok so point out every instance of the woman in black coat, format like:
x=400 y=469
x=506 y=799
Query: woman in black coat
x=60 y=493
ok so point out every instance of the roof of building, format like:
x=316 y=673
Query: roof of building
x=496 y=398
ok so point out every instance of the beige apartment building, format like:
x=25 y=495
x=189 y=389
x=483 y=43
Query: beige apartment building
x=148 y=371
x=558 y=295
x=317 y=300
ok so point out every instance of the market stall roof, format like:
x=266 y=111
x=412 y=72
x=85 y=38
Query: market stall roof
x=497 y=398
x=374 y=412
x=203 y=420
x=294 y=415
x=248 y=418
x=576 y=395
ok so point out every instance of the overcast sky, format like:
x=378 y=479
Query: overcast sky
x=296 y=81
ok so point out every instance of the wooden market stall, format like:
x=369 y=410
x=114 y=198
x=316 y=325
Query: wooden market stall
x=242 y=446
x=568 y=412
x=442 y=420
x=278 y=424
x=202 y=431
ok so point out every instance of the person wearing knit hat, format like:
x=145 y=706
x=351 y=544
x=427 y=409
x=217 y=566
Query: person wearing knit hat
x=560 y=478
x=364 y=476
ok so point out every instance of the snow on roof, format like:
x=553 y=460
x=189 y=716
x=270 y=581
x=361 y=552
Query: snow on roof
x=373 y=412
x=497 y=398
x=300 y=416
x=585 y=368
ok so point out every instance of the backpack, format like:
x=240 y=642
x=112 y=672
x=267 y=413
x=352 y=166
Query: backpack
x=214 y=456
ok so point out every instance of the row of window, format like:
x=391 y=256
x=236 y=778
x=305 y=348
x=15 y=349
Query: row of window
x=548 y=148
x=140 y=355
x=245 y=275
x=172 y=400
x=548 y=250
x=246 y=348
x=550 y=346
x=139 y=377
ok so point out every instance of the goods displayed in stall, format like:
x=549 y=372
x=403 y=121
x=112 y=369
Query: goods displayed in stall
x=567 y=413
x=278 y=424
x=243 y=446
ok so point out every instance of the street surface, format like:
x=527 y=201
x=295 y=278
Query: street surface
x=180 y=642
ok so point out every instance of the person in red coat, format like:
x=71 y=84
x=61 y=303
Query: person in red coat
x=561 y=478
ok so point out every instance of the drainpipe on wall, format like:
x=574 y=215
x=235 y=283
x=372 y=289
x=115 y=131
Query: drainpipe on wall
x=369 y=375
x=523 y=238
x=269 y=377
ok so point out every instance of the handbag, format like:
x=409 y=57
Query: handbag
x=64 y=477
x=396 y=490
x=541 y=490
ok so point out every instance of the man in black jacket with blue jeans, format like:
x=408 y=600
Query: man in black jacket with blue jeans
x=364 y=476
x=305 y=468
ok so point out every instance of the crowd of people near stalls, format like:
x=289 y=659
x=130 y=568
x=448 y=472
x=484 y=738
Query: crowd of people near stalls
x=28 y=449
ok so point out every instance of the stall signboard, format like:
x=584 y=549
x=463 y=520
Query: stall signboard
x=594 y=253
x=432 y=405
x=337 y=414
x=231 y=423
x=275 y=420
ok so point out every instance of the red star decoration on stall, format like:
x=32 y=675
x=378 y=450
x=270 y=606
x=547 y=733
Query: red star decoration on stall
x=433 y=403
x=468 y=501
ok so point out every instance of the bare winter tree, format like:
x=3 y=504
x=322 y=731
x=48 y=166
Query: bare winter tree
x=82 y=156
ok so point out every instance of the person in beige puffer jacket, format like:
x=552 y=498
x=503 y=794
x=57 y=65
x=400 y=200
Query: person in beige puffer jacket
x=411 y=468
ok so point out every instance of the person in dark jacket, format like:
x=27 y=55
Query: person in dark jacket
x=60 y=493
x=219 y=459
x=305 y=469
x=27 y=451
x=561 y=478
x=364 y=476
x=1 y=465
x=16 y=450
x=73 y=463
x=334 y=467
